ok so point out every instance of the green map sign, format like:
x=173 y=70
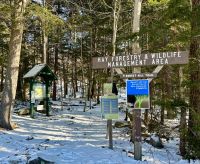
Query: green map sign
x=109 y=107
x=161 y=58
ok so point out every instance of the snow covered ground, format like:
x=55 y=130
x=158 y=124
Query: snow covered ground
x=71 y=136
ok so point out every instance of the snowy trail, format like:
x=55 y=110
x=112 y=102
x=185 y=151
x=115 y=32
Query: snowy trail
x=75 y=137
x=69 y=137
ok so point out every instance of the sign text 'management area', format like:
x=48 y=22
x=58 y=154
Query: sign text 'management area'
x=161 y=58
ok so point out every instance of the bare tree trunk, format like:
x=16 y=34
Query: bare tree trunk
x=136 y=130
x=74 y=77
x=90 y=68
x=116 y=12
x=19 y=91
x=75 y=74
x=55 y=71
x=93 y=87
x=45 y=40
x=82 y=68
x=2 y=78
x=135 y=29
x=168 y=90
x=9 y=91
x=162 y=112
x=183 y=130
x=98 y=92
x=2 y=73
x=65 y=73
x=73 y=81
x=135 y=45
x=88 y=89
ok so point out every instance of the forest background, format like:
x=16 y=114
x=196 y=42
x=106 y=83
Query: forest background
x=67 y=34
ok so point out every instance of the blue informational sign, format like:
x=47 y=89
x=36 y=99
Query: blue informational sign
x=138 y=94
x=137 y=87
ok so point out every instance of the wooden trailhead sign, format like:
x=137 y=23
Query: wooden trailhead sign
x=138 y=60
x=138 y=90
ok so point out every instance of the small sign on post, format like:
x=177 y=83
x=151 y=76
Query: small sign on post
x=138 y=75
x=109 y=107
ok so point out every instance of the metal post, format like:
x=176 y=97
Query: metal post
x=137 y=135
x=109 y=123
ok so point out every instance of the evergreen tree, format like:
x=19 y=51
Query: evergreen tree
x=194 y=71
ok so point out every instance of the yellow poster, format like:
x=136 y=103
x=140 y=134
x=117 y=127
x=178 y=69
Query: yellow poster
x=39 y=90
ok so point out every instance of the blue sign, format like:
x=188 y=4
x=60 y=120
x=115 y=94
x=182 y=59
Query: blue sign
x=138 y=94
x=137 y=87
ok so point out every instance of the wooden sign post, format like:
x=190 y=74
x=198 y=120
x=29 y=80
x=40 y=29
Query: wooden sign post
x=110 y=136
x=137 y=135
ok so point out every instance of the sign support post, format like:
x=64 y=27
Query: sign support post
x=110 y=136
x=137 y=134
